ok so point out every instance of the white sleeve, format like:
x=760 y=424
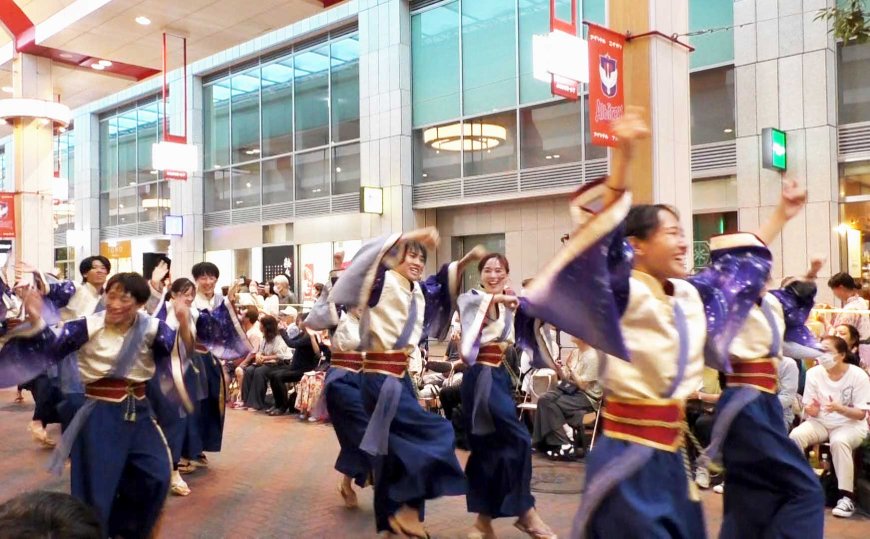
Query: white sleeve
x=861 y=398
x=811 y=389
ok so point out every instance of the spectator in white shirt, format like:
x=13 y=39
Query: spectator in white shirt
x=836 y=400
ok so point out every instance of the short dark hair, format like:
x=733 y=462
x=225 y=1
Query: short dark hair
x=252 y=314
x=500 y=257
x=854 y=336
x=131 y=283
x=643 y=220
x=179 y=286
x=842 y=279
x=414 y=247
x=87 y=264
x=205 y=269
x=44 y=515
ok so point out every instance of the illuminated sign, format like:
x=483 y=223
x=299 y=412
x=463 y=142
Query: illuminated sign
x=372 y=200
x=773 y=146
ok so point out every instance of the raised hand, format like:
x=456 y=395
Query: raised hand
x=816 y=263
x=630 y=127
x=427 y=236
x=159 y=274
x=33 y=303
x=792 y=199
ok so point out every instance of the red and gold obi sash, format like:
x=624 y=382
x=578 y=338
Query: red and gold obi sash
x=491 y=355
x=352 y=361
x=657 y=423
x=392 y=363
x=760 y=374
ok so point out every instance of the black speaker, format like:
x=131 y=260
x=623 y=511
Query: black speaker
x=150 y=261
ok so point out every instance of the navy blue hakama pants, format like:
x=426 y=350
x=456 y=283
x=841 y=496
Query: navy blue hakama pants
x=349 y=419
x=211 y=415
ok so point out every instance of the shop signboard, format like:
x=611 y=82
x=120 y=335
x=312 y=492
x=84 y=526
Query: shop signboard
x=7 y=215
x=606 y=96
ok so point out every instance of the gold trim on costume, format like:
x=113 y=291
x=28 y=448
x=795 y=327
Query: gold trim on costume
x=642 y=422
x=673 y=448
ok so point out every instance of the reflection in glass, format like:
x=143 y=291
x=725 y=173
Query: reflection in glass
x=345 y=167
x=550 y=134
x=127 y=206
x=217 y=190
x=435 y=64
x=854 y=233
x=216 y=124
x=147 y=136
x=489 y=50
x=108 y=154
x=127 y=124
x=278 y=180
x=593 y=151
x=312 y=175
x=534 y=19
x=246 y=186
x=489 y=143
x=277 y=112
x=153 y=201
x=853 y=87
x=712 y=101
x=312 y=98
x=345 y=89
x=108 y=209
x=432 y=164
x=245 y=115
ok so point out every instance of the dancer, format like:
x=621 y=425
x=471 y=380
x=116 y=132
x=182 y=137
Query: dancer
x=413 y=449
x=120 y=461
x=342 y=396
x=661 y=324
x=499 y=469
x=772 y=491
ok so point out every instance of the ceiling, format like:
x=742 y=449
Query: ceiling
x=110 y=32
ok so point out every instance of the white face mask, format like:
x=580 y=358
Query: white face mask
x=826 y=360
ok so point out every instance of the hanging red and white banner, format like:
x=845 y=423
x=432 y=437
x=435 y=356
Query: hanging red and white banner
x=7 y=215
x=606 y=98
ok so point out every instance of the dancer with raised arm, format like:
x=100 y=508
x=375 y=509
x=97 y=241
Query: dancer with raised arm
x=620 y=284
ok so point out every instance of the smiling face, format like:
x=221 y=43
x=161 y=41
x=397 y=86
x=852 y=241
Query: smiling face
x=493 y=276
x=121 y=306
x=97 y=274
x=413 y=265
x=205 y=285
x=663 y=253
x=185 y=297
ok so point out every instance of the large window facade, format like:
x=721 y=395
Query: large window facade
x=712 y=99
x=477 y=108
x=284 y=127
x=131 y=191
x=853 y=63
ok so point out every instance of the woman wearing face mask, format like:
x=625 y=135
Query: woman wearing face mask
x=412 y=449
x=836 y=400
x=499 y=469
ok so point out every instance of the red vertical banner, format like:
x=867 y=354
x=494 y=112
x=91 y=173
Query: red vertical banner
x=7 y=215
x=606 y=98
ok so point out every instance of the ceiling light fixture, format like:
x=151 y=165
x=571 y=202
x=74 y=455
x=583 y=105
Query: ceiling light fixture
x=98 y=66
x=7 y=89
x=465 y=136
x=727 y=130
x=105 y=63
x=143 y=20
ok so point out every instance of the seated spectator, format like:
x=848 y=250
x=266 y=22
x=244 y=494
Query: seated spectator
x=287 y=322
x=46 y=515
x=836 y=400
x=273 y=352
x=849 y=333
x=577 y=394
x=306 y=356
x=251 y=324
x=788 y=372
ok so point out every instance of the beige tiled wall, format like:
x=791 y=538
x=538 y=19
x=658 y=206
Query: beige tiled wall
x=532 y=228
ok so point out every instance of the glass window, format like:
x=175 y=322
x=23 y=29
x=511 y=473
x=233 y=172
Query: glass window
x=127 y=206
x=153 y=201
x=345 y=163
x=277 y=107
x=550 y=134
x=854 y=232
x=494 y=243
x=312 y=98
x=712 y=102
x=435 y=64
x=490 y=144
x=217 y=191
x=246 y=186
x=108 y=154
x=855 y=179
x=108 y=209
x=245 y=121
x=278 y=180
x=714 y=48
x=216 y=113
x=127 y=125
x=146 y=130
x=593 y=151
x=704 y=227
x=534 y=19
x=312 y=174
x=431 y=162
x=854 y=86
x=345 y=89
x=489 y=56
x=595 y=11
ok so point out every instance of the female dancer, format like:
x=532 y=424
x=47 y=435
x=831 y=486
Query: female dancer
x=619 y=284
x=499 y=469
x=413 y=449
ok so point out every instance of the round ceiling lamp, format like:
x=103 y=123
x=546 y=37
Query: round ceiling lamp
x=14 y=109
x=469 y=136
